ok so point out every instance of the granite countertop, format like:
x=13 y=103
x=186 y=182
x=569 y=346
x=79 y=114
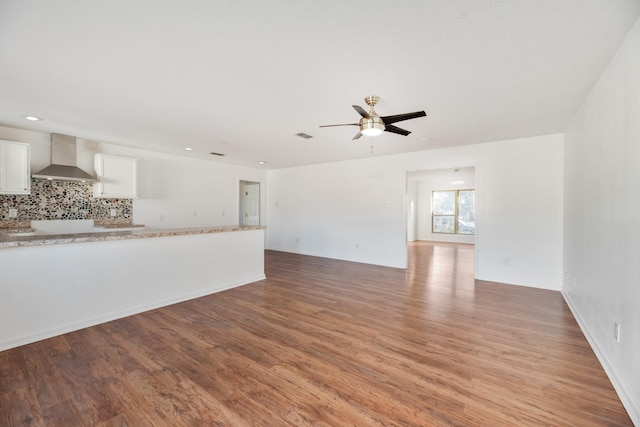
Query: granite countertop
x=7 y=241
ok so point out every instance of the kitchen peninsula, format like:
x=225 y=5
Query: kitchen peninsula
x=56 y=283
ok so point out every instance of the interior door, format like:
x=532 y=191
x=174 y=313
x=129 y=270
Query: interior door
x=249 y=203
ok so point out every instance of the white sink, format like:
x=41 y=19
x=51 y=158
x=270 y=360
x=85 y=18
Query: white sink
x=63 y=226
x=27 y=233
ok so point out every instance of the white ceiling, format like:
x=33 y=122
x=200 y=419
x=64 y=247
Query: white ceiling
x=241 y=77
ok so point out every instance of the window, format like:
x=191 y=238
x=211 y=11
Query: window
x=452 y=204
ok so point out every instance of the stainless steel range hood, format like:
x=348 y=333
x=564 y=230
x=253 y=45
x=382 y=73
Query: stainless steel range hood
x=63 y=162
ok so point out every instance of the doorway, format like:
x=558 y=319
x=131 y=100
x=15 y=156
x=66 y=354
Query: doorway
x=423 y=210
x=419 y=213
x=249 y=203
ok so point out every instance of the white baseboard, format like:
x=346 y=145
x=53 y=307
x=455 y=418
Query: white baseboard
x=632 y=407
x=85 y=323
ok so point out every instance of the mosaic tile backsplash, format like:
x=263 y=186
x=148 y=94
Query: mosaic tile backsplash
x=62 y=200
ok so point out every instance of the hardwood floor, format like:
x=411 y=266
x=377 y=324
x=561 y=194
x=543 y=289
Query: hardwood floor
x=325 y=342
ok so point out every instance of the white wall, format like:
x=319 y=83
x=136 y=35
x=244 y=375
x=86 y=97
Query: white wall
x=602 y=219
x=345 y=210
x=355 y=210
x=412 y=210
x=181 y=192
x=184 y=192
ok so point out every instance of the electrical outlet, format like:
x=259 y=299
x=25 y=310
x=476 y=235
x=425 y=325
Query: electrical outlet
x=616 y=331
x=506 y=261
x=114 y=213
x=13 y=213
x=357 y=245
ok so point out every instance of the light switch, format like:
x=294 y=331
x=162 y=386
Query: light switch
x=13 y=213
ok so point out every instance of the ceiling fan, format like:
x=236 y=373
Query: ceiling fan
x=372 y=124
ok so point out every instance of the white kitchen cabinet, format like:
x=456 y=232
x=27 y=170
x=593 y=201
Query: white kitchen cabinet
x=117 y=177
x=15 y=169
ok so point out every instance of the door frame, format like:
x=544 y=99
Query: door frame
x=241 y=190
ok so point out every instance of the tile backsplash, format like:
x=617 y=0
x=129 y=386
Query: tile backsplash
x=62 y=200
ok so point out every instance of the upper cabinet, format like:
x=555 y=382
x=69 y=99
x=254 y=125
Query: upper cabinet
x=14 y=168
x=117 y=177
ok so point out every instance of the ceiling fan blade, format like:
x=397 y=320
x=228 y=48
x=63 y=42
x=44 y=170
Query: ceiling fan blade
x=345 y=124
x=396 y=129
x=400 y=117
x=358 y=135
x=361 y=111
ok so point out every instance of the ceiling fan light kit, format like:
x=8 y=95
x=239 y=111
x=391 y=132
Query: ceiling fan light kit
x=372 y=124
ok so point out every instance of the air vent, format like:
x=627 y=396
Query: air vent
x=303 y=135
x=217 y=154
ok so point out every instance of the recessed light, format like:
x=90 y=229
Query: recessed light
x=262 y=162
x=33 y=118
x=188 y=148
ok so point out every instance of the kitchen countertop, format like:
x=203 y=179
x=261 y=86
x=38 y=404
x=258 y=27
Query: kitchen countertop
x=7 y=241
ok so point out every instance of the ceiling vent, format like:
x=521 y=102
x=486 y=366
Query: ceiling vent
x=216 y=154
x=304 y=135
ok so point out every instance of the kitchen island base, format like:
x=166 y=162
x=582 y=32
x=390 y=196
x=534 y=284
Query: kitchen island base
x=53 y=289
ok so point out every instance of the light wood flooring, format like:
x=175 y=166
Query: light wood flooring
x=325 y=343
